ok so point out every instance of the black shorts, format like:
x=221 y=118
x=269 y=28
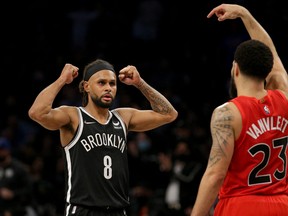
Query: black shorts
x=76 y=210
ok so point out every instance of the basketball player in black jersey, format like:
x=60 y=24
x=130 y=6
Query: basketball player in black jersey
x=93 y=137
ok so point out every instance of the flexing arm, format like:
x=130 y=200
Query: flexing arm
x=162 y=110
x=277 y=79
x=41 y=110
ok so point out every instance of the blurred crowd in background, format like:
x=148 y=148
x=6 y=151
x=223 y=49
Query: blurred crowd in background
x=176 y=49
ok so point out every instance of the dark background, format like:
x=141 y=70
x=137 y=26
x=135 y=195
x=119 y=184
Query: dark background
x=188 y=54
x=176 y=49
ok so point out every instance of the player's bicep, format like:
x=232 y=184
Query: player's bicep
x=222 y=137
x=141 y=120
x=55 y=119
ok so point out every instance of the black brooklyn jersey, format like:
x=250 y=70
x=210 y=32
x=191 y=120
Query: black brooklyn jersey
x=97 y=167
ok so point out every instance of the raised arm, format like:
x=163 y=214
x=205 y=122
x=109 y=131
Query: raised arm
x=162 y=110
x=277 y=79
x=41 y=110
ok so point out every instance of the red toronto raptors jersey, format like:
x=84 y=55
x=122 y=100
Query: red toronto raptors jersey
x=259 y=162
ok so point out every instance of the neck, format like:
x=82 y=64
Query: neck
x=252 y=92
x=251 y=88
x=101 y=114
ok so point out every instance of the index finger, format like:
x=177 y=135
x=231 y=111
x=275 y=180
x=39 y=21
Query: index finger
x=211 y=13
x=219 y=10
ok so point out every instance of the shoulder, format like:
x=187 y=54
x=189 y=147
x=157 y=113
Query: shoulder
x=125 y=113
x=73 y=113
x=227 y=118
x=284 y=94
x=224 y=110
x=227 y=114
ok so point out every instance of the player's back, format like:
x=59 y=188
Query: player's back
x=259 y=162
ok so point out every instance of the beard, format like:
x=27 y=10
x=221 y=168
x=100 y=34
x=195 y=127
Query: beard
x=232 y=88
x=98 y=102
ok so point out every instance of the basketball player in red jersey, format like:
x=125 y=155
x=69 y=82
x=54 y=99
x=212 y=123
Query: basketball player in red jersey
x=247 y=166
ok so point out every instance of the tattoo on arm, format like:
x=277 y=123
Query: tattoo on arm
x=221 y=131
x=157 y=101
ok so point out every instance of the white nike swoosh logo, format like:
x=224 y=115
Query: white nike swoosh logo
x=87 y=122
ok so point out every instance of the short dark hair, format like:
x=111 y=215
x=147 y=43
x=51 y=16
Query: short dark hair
x=254 y=58
x=95 y=66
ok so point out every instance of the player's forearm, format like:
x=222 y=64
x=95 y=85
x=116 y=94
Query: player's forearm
x=207 y=195
x=277 y=78
x=256 y=30
x=157 y=101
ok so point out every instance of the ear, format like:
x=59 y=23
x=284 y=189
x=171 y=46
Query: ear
x=86 y=86
x=236 y=69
